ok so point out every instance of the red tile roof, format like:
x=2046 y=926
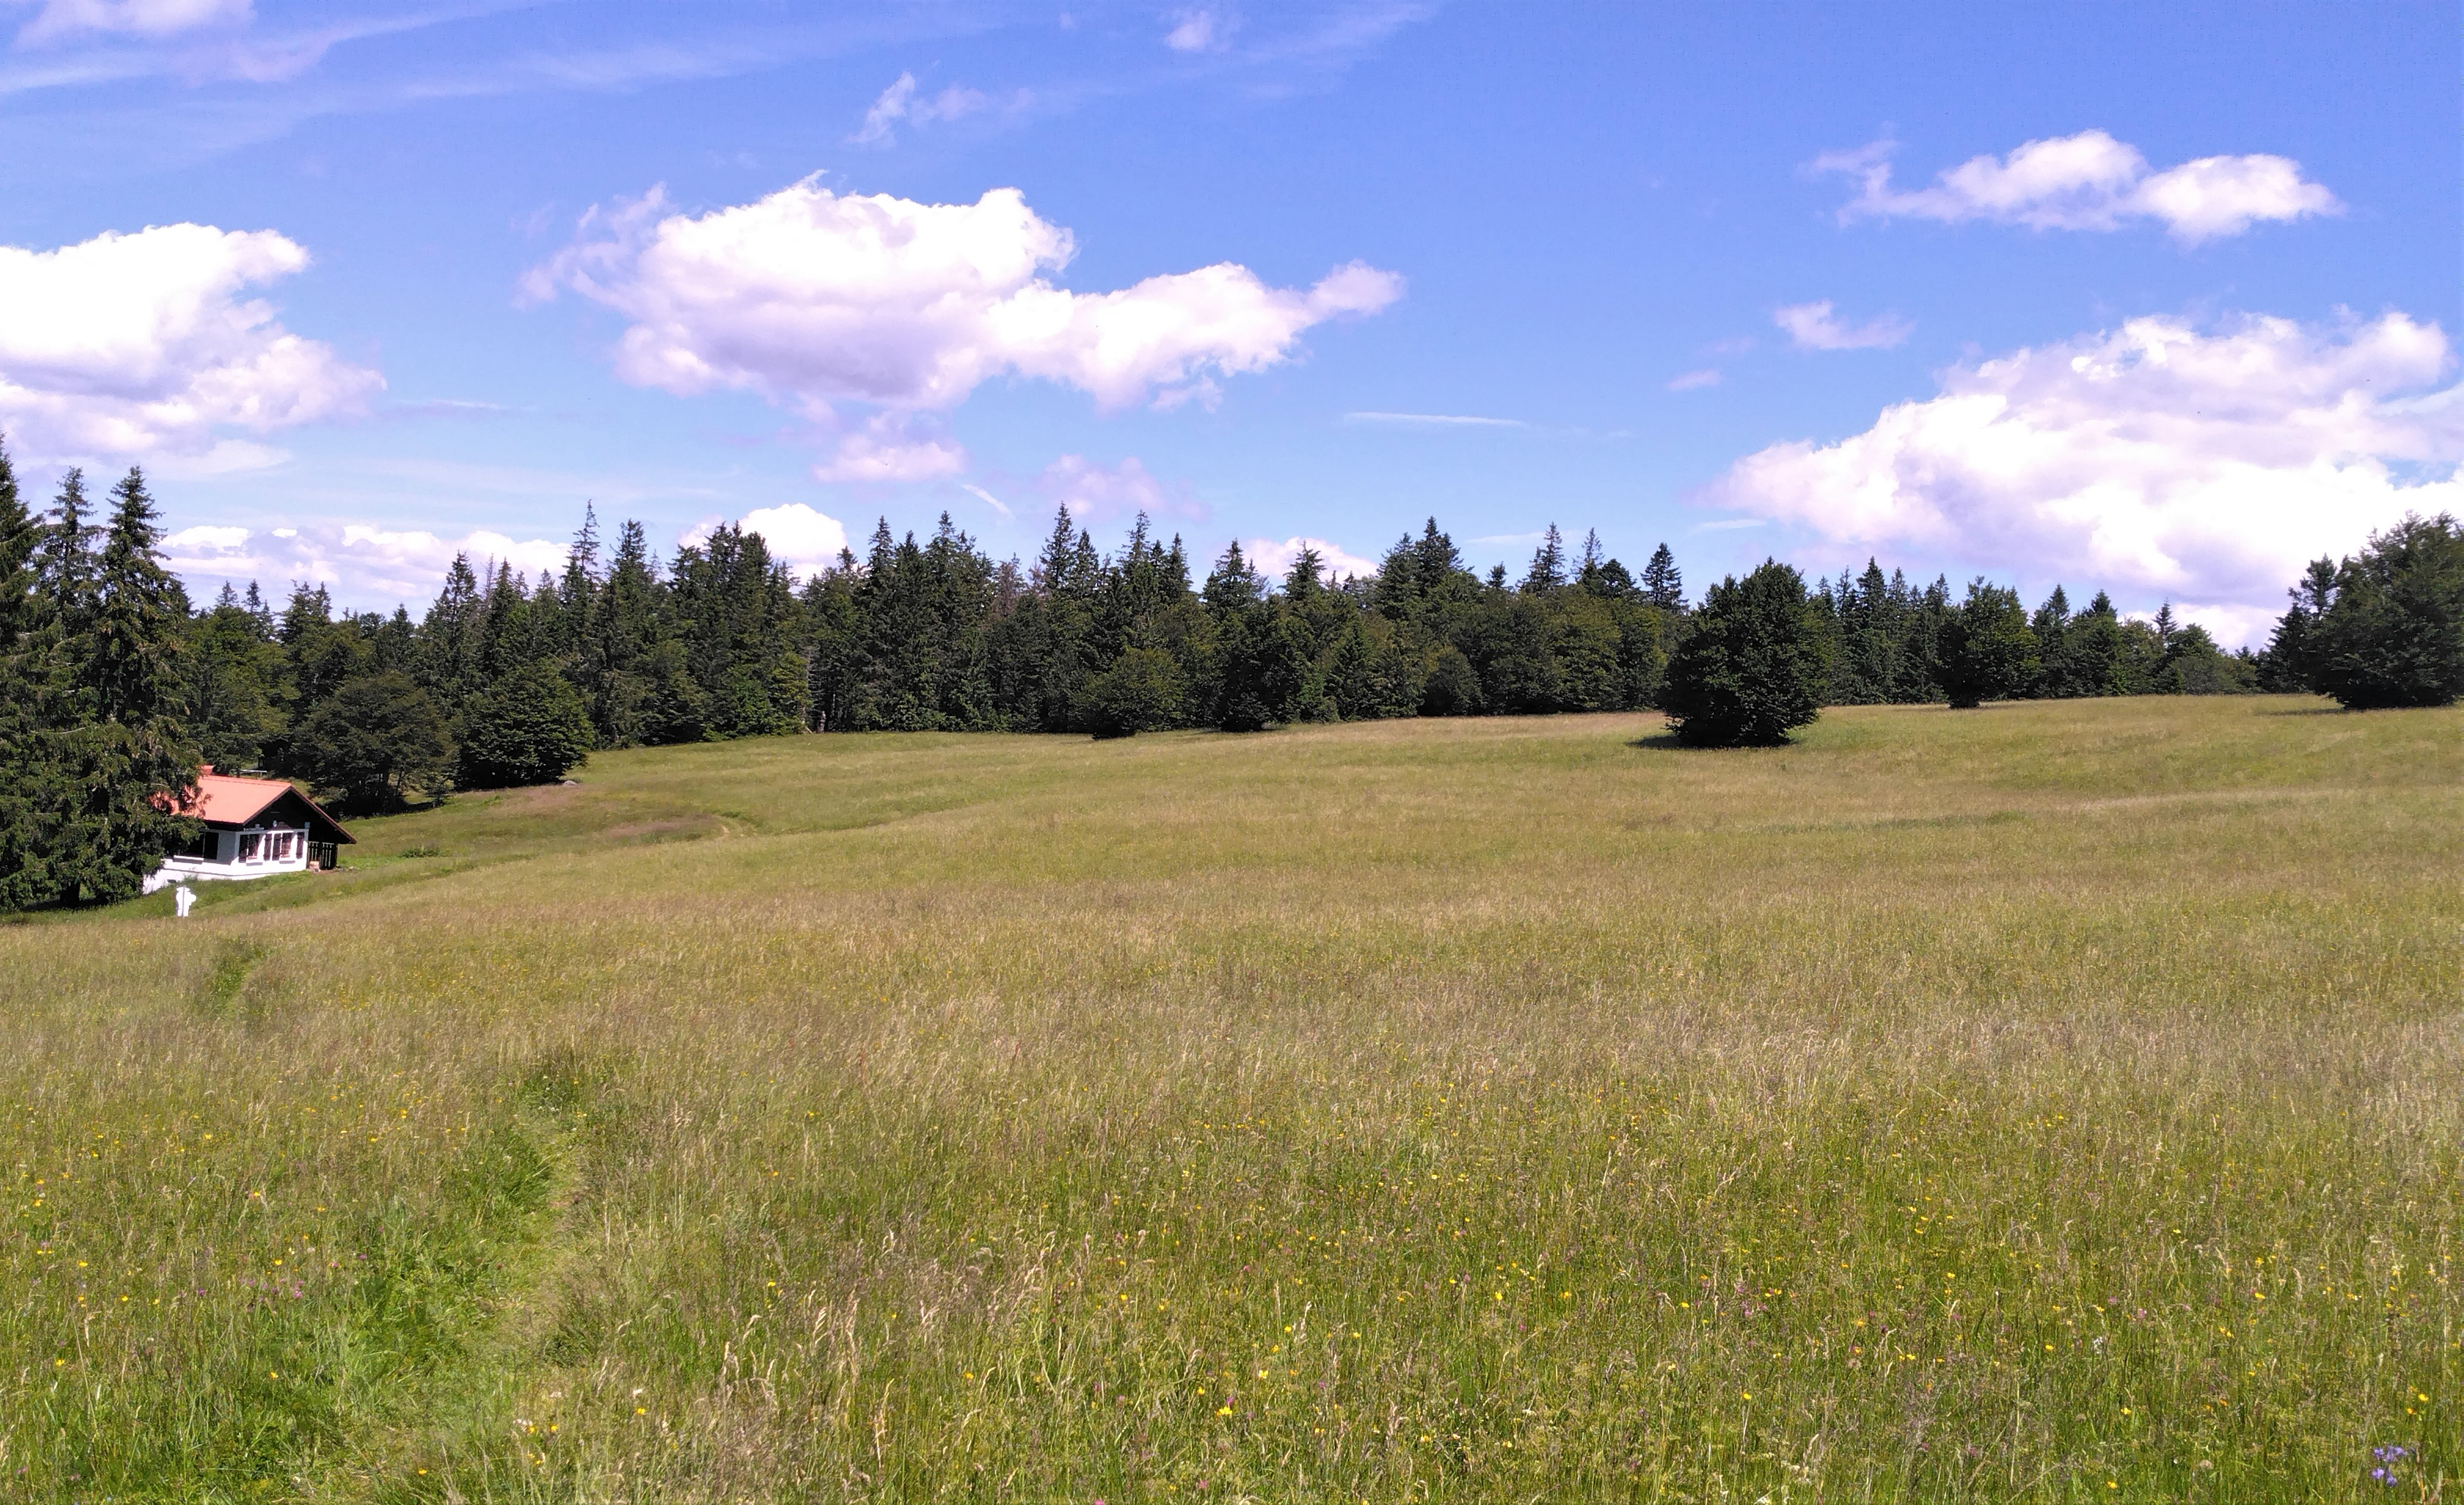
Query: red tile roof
x=228 y=801
x=223 y=799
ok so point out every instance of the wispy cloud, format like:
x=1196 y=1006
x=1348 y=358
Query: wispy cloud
x=1198 y=31
x=1691 y=381
x=901 y=104
x=987 y=499
x=260 y=83
x=1433 y=420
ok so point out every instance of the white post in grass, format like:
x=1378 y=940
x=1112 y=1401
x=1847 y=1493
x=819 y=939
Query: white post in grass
x=185 y=897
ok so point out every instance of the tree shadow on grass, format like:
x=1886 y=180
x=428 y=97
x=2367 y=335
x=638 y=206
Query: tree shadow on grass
x=1670 y=741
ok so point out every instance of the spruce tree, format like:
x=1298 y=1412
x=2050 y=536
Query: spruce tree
x=133 y=661
x=97 y=761
x=2288 y=666
x=1662 y=583
x=1547 y=571
x=1140 y=692
x=234 y=670
x=1234 y=598
x=20 y=536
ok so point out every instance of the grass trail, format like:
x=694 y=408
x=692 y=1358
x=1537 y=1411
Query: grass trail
x=2045 y=1103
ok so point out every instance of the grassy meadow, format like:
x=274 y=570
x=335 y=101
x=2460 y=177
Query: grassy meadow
x=2055 y=1102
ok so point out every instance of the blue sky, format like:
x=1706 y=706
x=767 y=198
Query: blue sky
x=448 y=272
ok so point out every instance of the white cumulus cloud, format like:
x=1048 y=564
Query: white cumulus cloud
x=1816 y=326
x=805 y=540
x=1275 y=559
x=814 y=298
x=146 y=343
x=2202 y=464
x=2089 y=180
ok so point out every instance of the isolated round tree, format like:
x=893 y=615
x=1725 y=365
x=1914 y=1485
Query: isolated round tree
x=1988 y=652
x=375 y=740
x=528 y=728
x=1752 y=665
x=1140 y=693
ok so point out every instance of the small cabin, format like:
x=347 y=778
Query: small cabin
x=255 y=829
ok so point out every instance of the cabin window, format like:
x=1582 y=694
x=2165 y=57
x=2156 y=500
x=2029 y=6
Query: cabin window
x=252 y=845
x=286 y=846
x=204 y=845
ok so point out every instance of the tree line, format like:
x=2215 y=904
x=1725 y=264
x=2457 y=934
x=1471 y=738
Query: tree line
x=1761 y=656
x=114 y=689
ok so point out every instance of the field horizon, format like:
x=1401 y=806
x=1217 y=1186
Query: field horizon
x=2051 y=1101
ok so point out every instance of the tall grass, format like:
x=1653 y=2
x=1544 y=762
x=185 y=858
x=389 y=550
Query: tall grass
x=2052 y=1102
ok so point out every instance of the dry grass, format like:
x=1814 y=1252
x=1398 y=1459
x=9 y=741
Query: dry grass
x=2053 y=1102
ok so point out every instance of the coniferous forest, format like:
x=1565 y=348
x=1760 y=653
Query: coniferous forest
x=114 y=688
